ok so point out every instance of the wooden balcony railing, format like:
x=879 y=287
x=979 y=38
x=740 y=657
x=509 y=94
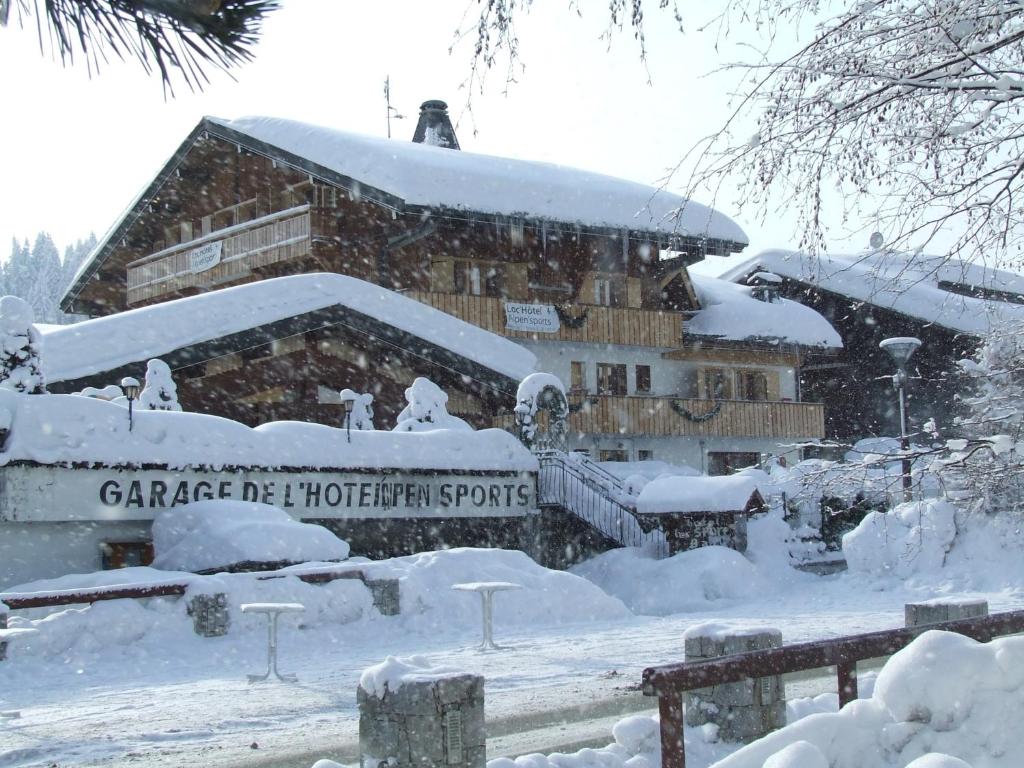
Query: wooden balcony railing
x=266 y=240
x=666 y=417
x=605 y=325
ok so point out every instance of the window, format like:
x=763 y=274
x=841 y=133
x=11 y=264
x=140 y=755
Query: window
x=467 y=278
x=480 y=279
x=643 y=379
x=717 y=383
x=752 y=385
x=613 y=454
x=725 y=463
x=611 y=379
x=644 y=454
x=125 y=554
x=609 y=291
x=577 y=376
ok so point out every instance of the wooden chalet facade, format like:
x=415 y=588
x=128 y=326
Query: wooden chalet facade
x=868 y=297
x=475 y=237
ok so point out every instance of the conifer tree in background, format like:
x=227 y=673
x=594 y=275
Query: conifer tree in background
x=159 y=393
x=18 y=270
x=47 y=280
x=20 y=348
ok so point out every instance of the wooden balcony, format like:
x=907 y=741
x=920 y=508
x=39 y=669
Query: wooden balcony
x=656 y=417
x=278 y=237
x=603 y=325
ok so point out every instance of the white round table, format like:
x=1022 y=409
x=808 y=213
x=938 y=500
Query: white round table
x=486 y=590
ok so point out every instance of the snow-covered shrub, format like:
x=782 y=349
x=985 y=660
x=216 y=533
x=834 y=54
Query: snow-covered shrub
x=109 y=393
x=361 y=418
x=20 y=366
x=536 y=391
x=427 y=409
x=913 y=538
x=159 y=392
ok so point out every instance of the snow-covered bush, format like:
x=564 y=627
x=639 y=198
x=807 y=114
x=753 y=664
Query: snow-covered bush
x=361 y=418
x=913 y=538
x=20 y=366
x=427 y=409
x=159 y=392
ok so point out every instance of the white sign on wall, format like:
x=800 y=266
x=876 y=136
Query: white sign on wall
x=534 y=318
x=45 y=493
x=205 y=257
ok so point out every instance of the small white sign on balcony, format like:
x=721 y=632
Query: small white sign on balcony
x=205 y=257
x=534 y=318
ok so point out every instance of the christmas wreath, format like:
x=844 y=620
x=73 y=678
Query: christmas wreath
x=689 y=415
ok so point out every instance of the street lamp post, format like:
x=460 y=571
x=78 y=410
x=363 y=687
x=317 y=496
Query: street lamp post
x=130 y=387
x=900 y=349
x=348 y=399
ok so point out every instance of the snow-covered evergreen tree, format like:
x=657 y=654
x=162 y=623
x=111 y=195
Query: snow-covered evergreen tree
x=18 y=270
x=47 y=280
x=362 y=410
x=159 y=392
x=427 y=409
x=20 y=365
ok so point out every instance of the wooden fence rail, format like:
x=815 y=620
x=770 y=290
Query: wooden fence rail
x=669 y=682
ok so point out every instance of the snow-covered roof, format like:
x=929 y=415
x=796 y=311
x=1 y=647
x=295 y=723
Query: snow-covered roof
x=916 y=285
x=696 y=494
x=107 y=343
x=423 y=175
x=66 y=429
x=729 y=312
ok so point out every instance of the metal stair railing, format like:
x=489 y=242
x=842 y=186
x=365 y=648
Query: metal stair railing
x=589 y=492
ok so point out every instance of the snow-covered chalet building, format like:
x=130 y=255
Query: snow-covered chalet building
x=549 y=268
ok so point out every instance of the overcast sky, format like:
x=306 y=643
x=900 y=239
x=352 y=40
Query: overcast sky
x=79 y=148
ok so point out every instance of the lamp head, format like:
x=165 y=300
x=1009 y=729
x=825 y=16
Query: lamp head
x=348 y=399
x=900 y=348
x=131 y=387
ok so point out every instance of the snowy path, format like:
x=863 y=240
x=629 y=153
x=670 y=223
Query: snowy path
x=177 y=710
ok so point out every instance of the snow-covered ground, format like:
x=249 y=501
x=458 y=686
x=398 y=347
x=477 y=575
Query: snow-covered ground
x=127 y=683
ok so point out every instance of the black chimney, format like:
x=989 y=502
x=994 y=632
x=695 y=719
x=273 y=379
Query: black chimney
x=435 y=127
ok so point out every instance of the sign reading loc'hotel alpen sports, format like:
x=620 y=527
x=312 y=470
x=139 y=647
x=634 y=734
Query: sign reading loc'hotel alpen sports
x=44 y=493
x=533 y=318
x=205 y=257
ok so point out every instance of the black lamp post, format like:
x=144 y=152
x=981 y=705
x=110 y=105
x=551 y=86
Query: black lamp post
x=131 y=388
x=348 y=399
x=900 y=349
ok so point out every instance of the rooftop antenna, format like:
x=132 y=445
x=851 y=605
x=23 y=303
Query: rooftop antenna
x=387 y=102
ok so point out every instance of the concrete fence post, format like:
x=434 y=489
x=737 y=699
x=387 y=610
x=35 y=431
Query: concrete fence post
x=742 y=711
x=943 y=609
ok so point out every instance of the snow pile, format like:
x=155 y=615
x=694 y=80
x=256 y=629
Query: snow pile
x=60 y=429
x=729 y=312
x=107 y=343
x=161 y=629
x=220 y=533
x=393 y=672
x=547 y=597
x=695 y=580
x=944 y=695
x=427 y=410
x=699 y=579
x=696 y=494
x=914 y=538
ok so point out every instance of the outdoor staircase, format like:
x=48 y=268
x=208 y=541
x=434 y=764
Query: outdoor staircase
x=576 y=484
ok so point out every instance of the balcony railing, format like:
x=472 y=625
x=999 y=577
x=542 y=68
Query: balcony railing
x=257 y=243
x=689 y=417
x=598 y=324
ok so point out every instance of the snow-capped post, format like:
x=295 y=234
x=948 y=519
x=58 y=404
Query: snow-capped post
x=159 y=392
x=348 y=399
x=131 y=388
x=427 y=409
x=542 y=391
x=415 y=716
x=20 y=365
